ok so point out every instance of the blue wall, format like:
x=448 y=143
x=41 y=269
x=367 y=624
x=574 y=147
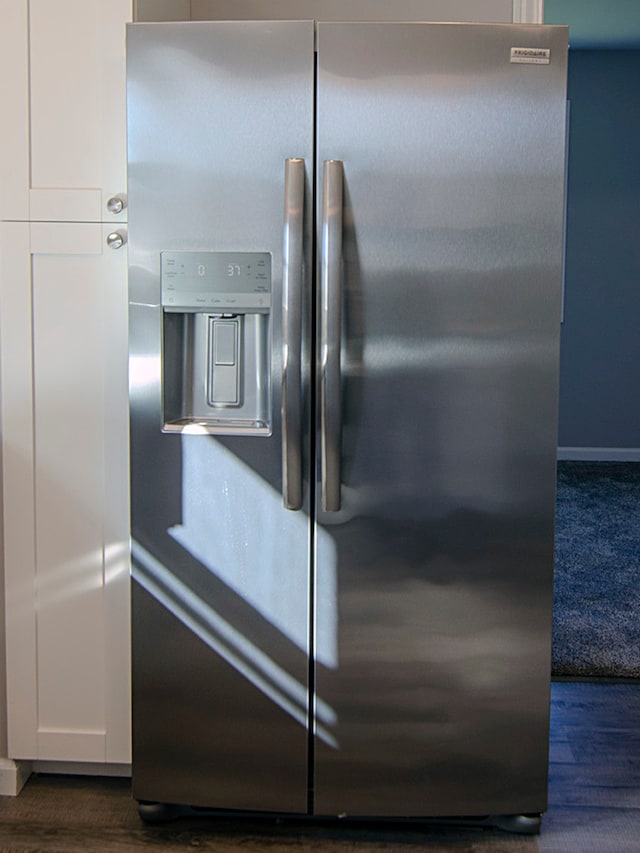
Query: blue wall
x=597 y=23
x=600 y=354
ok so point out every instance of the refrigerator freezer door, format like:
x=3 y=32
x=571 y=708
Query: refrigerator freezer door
x=443 y=546
x=221 y=568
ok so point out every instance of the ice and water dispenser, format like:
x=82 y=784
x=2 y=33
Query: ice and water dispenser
x=216 y=309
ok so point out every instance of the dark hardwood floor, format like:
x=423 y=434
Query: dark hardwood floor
x=594 y=802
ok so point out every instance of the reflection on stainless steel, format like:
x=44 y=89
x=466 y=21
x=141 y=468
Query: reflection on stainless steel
x=144 y=370
x=226 y=641
x=385 y=650
x=232 y=523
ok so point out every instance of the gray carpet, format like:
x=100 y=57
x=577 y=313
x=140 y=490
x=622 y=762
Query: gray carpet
x=597 y=586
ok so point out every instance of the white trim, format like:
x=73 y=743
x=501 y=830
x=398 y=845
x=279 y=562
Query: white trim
x=600 y=454
x=528 y=11
x=14 y=69
x=13 y=775
x=16 y=405
x=81 y=768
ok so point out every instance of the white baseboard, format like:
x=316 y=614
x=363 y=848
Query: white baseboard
x=600 y=454
x=81 y=768
x=13 y=775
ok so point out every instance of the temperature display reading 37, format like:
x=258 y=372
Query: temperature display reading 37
x=216 y=281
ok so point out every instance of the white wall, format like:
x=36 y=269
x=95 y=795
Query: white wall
x=416 y=10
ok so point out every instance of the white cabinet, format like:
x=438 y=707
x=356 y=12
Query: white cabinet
x=63 y=380
x=63 y=70
x=65 y=461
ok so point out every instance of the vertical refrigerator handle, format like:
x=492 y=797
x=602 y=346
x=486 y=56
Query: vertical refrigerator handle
x=292 y=279
x=330 y=335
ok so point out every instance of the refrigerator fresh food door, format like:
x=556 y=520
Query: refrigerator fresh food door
x=451 y=144
x=220 y=566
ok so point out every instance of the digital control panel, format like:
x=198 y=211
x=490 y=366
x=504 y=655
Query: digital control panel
x=216 y=281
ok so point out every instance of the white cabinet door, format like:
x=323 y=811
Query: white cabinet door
x=64 y=92
x=63 y=331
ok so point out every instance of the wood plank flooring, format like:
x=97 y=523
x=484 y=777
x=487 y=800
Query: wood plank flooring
x=594 y=794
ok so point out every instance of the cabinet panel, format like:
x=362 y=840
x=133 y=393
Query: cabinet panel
x=50 y=205
x=77 y=110
x=68 y=656
x=69 y=503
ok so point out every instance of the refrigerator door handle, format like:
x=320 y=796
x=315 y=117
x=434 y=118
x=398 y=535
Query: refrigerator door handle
x=330 y=335
x=292 y=282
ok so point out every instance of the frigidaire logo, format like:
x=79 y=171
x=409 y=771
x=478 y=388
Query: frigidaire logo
x=531 y=55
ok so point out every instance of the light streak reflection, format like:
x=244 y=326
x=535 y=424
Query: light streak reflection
x=234 y=523
x=207 y=624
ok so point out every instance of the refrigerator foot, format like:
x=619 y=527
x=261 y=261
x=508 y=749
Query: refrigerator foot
x=159 y=812
x=523 y=824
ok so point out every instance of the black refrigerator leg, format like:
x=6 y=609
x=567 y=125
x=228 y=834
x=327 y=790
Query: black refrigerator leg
x=159 y=812
x=523 y=824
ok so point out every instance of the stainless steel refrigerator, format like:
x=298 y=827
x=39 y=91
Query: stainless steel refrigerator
x=345 y=282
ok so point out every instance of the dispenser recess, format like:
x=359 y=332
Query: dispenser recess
x=216 y=311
